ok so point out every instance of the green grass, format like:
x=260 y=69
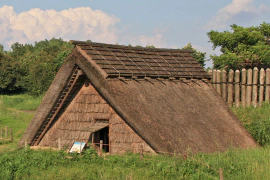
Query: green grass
x=28 y=164
x=16 y=112
x=256 y=121
x=235 y=164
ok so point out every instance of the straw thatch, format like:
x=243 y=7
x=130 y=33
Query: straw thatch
x=158 y=99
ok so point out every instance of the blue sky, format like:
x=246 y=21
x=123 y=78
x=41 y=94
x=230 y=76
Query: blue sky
x=162 y=23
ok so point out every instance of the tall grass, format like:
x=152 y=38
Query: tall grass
x=236 y=164
x=256 y=121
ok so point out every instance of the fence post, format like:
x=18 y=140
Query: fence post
x=11 y=134
x=230 y=88
x=224 y=85
x=6 y=132
x=218 y=82
x=221 y=174
x=249 y=84
x=243 y=87
x=267 y=87
x=262 y=76
x=1 y=133
x=214 y=79
x=59 y=143
x=100 y=147
x=25 y=144
x=237 y=88
x=141 y=152
x=255 y=87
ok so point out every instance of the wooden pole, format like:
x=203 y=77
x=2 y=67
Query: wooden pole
x=243 y=87
x=59 y=143
x=230 y=88
x=262 y=76
x=11 y=134
x=218 y=82
x=267 y=87
x=255 y=87
x=214 y=78
x=25 y=144
x=6 y=132
x=100 y=147
x=249 y=84
x=224 y=85
x=141 y=152
x=1 y=133
x=237 y=88
x=221 y=174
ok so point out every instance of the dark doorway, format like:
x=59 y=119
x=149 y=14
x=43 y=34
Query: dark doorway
x=102 y=134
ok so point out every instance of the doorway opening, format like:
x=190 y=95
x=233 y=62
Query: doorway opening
x=102 y=134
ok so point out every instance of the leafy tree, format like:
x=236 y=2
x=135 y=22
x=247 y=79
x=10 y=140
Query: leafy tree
x=41 y=63
x=242 y=47
x=9 y=72
x=199 y=56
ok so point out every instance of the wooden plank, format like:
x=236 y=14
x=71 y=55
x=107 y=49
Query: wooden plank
x=249 y=84
x=224 y=85
x=267 y=87
x=218 y=82
x=214 y=78
x=243 y=87
x=255 y=87
x=230 y=88
x=261 y=93
x=237 y=88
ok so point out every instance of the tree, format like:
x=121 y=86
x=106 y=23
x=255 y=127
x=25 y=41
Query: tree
x=242 y=47
x=199 y=56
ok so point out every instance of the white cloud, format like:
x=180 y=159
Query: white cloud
x=234 y=11
x=156 y=40
x=36 y=24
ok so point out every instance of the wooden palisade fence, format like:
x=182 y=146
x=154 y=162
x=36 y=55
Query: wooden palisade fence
x=6 y=133
x=242 y=88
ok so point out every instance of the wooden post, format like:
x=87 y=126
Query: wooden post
x=141 y=152
x=25 y=144
x=6 y=132
x=224 y=85
x=230 y=88
x=218 y=82
x=11 y=134
x=210 y=72
x=1 y=133
x=221 y=174
x=243 y=87
x=237 y=88
x=100 y=147
x=214 y=78
x=262 y=76
x=267 y=87
x=255 y=87
x=59 y=143
x=249 y=84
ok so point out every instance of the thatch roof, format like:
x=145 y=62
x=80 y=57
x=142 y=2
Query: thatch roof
x=164 y=95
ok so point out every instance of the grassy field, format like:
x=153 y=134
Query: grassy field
x=17 y=111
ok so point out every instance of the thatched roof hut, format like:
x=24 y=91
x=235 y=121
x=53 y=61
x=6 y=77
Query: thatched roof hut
x=159 y=100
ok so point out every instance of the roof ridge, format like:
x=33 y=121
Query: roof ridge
x=85 y=43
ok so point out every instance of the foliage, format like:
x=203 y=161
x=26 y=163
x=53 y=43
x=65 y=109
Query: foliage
x=199 y=56
x=243 y=46
x=32 y=68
